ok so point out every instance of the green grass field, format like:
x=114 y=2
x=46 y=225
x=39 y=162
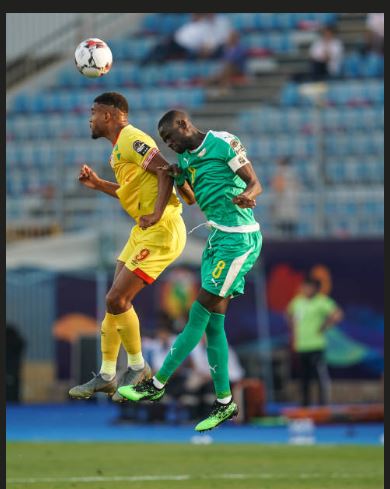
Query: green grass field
x=163 y=466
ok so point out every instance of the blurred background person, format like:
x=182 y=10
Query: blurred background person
x=234 y=56
x=15 y=347
x=158 y=348
x=326 y=55
x=285 y=206
x=375 y=34
x=203 y=37
x=309 y=315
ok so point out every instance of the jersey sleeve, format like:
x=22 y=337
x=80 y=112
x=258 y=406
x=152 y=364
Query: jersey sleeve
x=328 y=306
x=138 y=149
x=235 y=154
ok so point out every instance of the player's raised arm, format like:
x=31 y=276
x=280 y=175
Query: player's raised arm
x=253 y=187
x=165 y=186
x=91 y=179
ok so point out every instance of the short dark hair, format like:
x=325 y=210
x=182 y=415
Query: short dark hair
x=170 y=116
x=115 y=99
x=309 y=280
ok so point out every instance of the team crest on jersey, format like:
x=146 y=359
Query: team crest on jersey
x=142 y=254
x=140 y=147
x=112 y=160
x=202 y=153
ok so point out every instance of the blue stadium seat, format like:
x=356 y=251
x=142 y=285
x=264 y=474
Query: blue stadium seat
x=373 y=66
x=290 y=95
x=351 y=65
x=265 y=21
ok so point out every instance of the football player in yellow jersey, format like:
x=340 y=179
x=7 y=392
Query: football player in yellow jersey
x=146 y=192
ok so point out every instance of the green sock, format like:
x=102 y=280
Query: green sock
x=185 y=342
x=218 y=354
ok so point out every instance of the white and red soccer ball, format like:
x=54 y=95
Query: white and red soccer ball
x=93 y=58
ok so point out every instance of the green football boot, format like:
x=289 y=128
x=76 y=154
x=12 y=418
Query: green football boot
x=219 y=414
x=144 y=391
x=97 y=384
x=132 y=377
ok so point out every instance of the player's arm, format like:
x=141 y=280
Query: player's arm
x=183 y=187
x=253 y=186
x=91 y=179
x=165 y=186
x=289 y=315
x=187 y=193
x=333 y=318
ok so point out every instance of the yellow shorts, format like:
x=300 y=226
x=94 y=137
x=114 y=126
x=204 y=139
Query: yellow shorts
x=149 y=252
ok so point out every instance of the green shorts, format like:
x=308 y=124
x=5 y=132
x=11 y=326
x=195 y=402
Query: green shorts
x=226 y=260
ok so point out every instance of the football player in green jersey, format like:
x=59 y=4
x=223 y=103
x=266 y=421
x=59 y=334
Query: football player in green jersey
x=213 y=170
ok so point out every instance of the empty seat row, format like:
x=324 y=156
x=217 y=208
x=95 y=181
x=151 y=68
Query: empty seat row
x=81 y=100
x=303 y=119
x=337 y=93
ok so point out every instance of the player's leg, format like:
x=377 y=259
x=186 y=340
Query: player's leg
x=323 y=378
x=110 y=342
x=153 y=251
x=305 y=366
x=231 y=259
x=119 y=301
x=185 y=342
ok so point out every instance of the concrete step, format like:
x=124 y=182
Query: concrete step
x=244 y=96
x=215 y=109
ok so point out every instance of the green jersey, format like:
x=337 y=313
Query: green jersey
x=211 y=170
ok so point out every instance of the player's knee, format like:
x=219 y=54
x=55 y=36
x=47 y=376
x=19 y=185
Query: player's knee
x=116 y=303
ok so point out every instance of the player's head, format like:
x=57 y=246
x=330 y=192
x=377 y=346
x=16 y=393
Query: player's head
x=310 y=286
x=108 y=109
x=177 y=131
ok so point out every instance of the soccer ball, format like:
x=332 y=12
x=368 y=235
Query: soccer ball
x=93 y=58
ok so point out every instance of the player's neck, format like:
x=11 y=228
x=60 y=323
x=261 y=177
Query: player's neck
x=113 y=134
x=196 y=140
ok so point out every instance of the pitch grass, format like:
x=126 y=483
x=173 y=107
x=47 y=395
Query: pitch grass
x=215 y=466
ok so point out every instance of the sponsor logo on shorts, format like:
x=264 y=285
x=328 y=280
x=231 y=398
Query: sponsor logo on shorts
x=140 y=147
x=142 y=255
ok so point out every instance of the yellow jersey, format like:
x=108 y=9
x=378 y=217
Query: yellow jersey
x=132 y=152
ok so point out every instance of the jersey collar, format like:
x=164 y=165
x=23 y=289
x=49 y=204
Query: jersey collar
x=119 y=133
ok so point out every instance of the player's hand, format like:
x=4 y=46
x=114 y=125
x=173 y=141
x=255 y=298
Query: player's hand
x=244 y=201
x=88 y=177
x=173 y=170
x=145 y=222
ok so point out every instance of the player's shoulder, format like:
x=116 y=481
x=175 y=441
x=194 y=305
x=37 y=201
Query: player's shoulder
x=324 y=298
x=223 y=136
x=132 y=139
x=228 y=143
x=133 y=133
